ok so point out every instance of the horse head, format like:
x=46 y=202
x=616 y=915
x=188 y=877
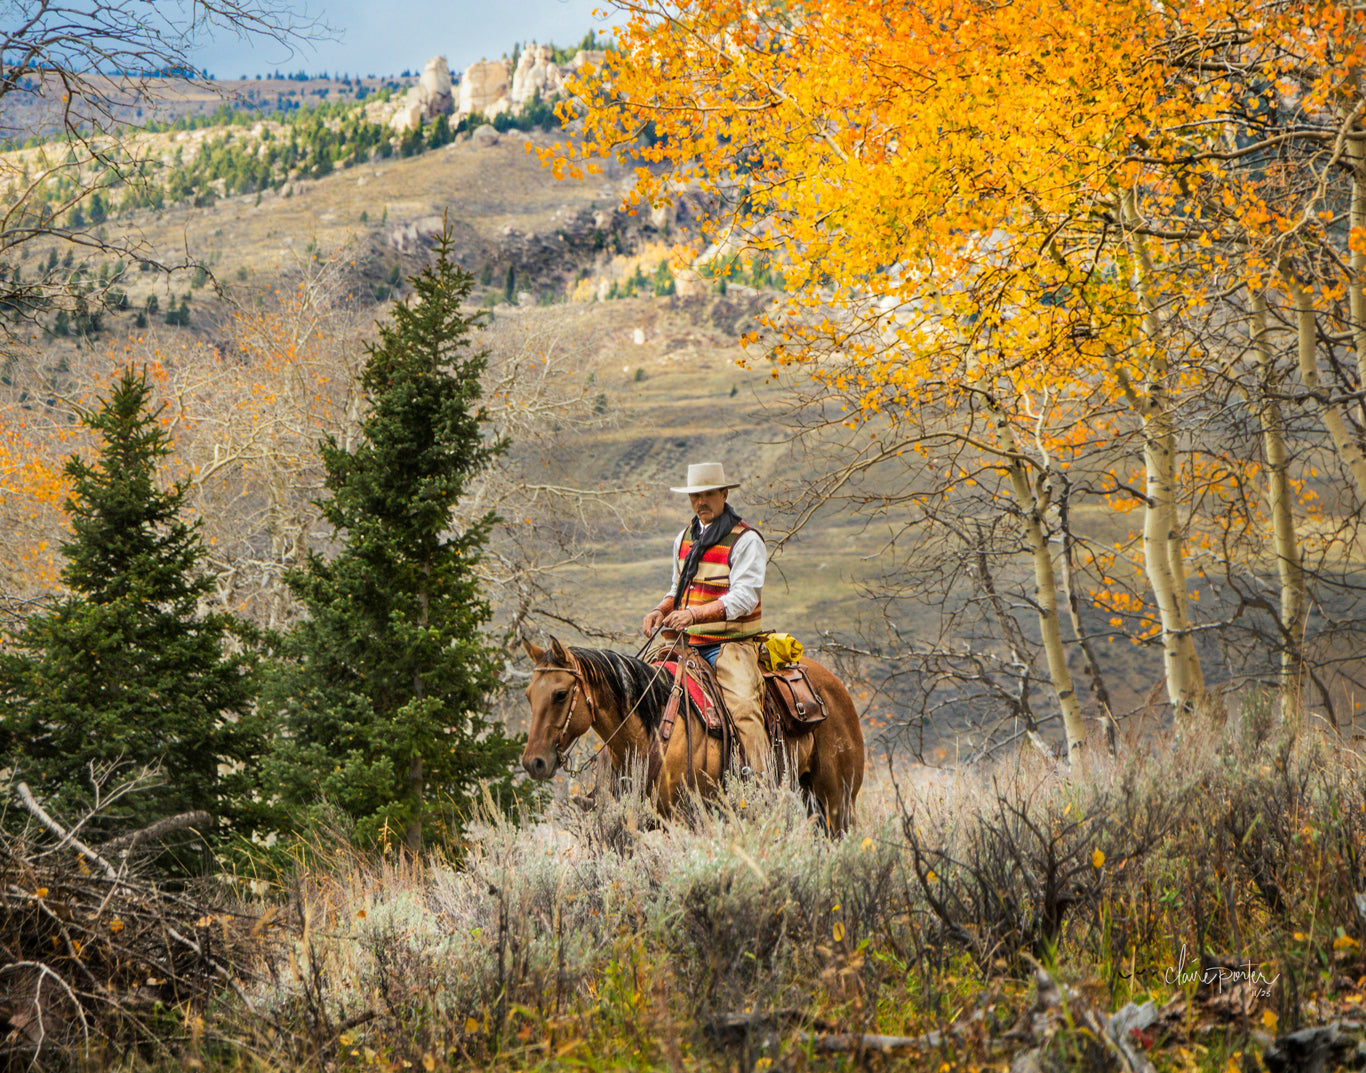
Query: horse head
x=561 y=708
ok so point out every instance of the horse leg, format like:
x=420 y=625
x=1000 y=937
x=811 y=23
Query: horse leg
x=834 y=814
x=832 y=789
x=663 y=788
x=662 y=795
x=814 y=802
x=811 y=777
x=708 y=767
x=675 y=769
x=841 y=794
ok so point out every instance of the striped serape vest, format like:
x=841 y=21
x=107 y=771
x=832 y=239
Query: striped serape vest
x=711 y=583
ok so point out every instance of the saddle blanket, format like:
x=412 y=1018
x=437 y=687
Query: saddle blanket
x=701 y=700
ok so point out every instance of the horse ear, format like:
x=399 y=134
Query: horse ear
x=532 y=651
x=559 y=655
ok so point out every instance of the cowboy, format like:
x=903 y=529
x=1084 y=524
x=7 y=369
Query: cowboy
x=718 y=577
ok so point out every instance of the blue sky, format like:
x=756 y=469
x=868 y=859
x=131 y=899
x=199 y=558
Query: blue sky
x=386 y=36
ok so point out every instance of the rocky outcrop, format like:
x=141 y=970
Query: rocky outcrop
x=414 y=235
x=435 y=87
x=428 y=99
x=484 y=85
x=537 y=72
x=409 y=113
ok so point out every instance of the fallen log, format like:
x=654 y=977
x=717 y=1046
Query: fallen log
x=160 y=829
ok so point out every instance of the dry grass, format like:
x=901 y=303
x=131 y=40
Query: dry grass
x=624 y=944
x=975 y=917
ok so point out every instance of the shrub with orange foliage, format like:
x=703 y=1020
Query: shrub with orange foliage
x=33 y=492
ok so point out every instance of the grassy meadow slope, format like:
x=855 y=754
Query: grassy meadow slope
x=667 y=368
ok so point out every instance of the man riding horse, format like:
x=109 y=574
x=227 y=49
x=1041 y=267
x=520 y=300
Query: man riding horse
x=713 y=607
x=715 y=601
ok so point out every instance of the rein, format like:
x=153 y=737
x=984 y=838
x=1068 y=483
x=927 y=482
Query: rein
x=579 y=688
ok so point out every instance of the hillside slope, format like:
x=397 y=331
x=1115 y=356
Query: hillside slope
x=667 y=369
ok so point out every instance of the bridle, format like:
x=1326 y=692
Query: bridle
x=575 y=671
x=577 y=690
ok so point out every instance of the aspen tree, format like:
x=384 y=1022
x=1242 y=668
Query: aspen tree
x=1137 y=170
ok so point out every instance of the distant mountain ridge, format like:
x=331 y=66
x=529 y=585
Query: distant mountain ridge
x=501 y=86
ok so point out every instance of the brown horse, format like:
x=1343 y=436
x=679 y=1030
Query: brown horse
x=622 y=699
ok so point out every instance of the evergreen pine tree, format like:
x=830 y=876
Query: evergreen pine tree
x=123 y=669
x=383 y=697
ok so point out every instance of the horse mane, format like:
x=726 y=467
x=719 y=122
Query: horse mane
x=634 y=684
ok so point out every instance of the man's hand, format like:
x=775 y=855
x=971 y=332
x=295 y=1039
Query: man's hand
x=680 y=620
x=655 y=617
x=664 y=615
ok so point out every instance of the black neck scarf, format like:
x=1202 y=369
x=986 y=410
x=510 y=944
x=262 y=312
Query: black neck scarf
x=702 y=541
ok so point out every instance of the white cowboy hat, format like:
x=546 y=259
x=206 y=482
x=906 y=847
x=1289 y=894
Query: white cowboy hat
x=705 y=477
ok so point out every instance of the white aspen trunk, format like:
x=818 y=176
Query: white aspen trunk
x=1294 y=595
x=1069 y=591
x=1045 y=590
x=1356 y=262
x=1343 y=441
x=1163 y=545
x=1176 y=540
x=1185 y=682
x=1046 y=596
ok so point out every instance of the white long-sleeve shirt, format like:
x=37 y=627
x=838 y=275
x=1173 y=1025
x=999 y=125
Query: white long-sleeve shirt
x=748 y=560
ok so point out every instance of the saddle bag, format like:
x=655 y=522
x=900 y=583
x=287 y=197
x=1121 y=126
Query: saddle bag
x=791 y=702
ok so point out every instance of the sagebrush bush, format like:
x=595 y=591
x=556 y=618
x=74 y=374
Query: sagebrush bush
x=606 y=930
x=1225 y=844
x=740 y=907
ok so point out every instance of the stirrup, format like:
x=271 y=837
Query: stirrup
x=746 y=773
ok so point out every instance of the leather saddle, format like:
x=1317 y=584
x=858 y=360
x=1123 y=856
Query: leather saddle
x=695 y=687
x=703 y=691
